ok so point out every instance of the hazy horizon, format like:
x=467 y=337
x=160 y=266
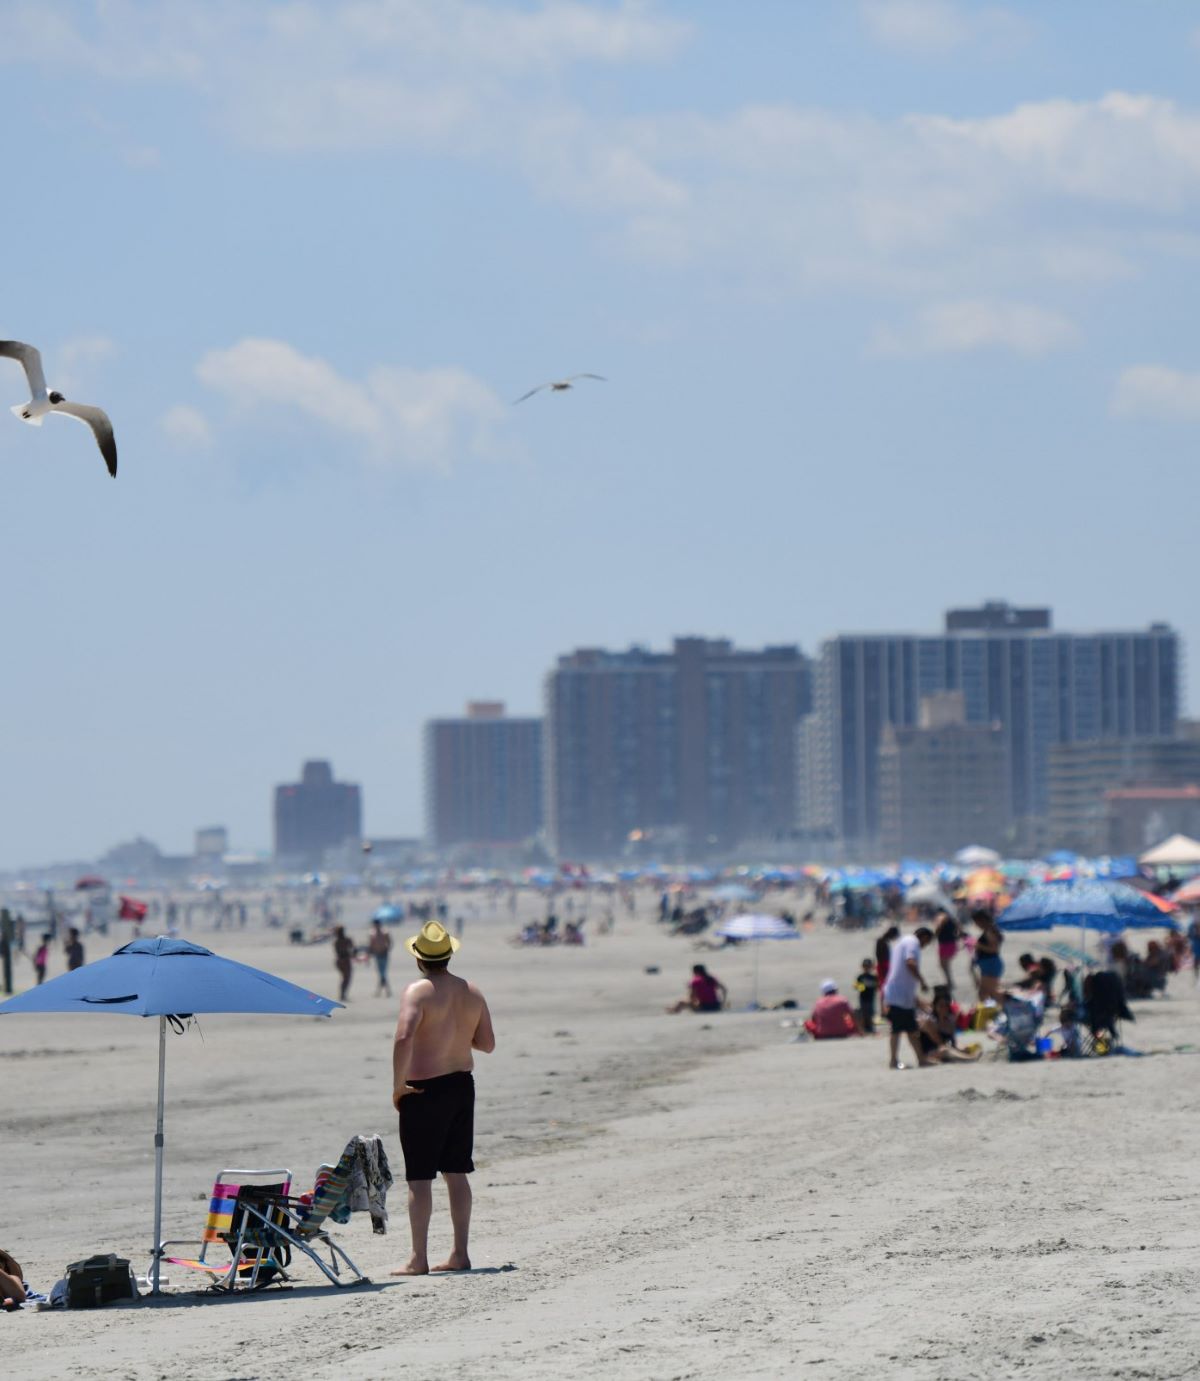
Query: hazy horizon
x=895 y=301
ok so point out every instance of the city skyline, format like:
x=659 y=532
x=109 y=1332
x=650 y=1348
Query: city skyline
x=464 y=792
x=877 y=287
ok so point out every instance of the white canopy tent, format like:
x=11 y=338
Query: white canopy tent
x=1177 y=852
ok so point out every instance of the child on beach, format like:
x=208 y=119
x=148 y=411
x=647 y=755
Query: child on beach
x=867 y=986
x=41 y=957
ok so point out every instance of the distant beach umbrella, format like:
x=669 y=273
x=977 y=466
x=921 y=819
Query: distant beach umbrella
x=1108 y=908
x=976 y=856
x=757 y=928
x=168 y=979
x=929 y=892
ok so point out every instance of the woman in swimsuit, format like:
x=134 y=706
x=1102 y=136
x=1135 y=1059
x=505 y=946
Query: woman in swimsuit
x=987 y=956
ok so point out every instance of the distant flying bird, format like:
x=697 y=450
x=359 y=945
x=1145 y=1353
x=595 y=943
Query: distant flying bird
x=42 y=401
x=559 y=385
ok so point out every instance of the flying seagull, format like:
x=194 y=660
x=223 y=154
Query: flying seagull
x=559 y=385
x=42 y=401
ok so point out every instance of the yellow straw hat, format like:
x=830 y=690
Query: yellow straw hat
x=434 y=942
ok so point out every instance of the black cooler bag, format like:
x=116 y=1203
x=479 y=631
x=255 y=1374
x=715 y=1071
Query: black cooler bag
x=98 y=1280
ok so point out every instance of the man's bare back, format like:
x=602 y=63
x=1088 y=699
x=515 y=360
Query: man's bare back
x=443 y=1018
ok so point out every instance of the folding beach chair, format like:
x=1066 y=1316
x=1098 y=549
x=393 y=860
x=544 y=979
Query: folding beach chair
x=223 y=1228
x=253 y=1214
x=1019 y=1024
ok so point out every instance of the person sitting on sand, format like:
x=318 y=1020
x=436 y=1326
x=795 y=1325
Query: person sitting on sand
x=12 y=1282
x=832 y=1017
x=938 y=1030
x=1070 y=1042
x=704 y=993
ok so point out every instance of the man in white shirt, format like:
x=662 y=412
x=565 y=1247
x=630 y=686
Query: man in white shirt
x=900 y=993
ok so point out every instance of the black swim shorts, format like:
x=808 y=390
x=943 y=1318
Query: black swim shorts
x=903 y=1019
x=437 y=1127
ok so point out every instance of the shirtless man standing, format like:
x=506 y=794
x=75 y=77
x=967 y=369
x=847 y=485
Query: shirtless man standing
x=443 y=1018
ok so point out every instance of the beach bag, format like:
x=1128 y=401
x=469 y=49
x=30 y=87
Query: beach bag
x=99 y=1280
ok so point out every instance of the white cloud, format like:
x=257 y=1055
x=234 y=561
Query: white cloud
x=1156 y=391
x=933 y=28
x=958 y=327
x=187 y=425
x=421 y=417
x=784 y=197
x=74 y=362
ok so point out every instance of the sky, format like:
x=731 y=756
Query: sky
x=895 y=301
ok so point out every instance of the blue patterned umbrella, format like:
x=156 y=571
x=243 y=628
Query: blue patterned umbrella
x=1107 y=907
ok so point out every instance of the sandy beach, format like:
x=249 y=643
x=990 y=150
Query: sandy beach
x=656 y=1196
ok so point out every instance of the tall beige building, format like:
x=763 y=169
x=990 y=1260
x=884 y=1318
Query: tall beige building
x=942 y=784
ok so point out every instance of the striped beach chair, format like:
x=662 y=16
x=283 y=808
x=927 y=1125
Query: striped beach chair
x=253 y=1214
x=251 y=1260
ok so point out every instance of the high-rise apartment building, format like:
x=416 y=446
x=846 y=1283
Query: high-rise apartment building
x=1042 y=687
x=483 y=778
x=315 y=814
x=1081 y=778
x=942 y=784
x=696 y=744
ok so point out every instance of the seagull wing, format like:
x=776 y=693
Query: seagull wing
x=601 y=377
x=31 y=362
x=101 y=429
x=530 y=394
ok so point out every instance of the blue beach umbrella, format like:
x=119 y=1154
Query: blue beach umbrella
x=167 y=978
x=389 y=914
x=1106 y=907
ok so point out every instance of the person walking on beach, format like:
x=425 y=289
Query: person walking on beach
x=343 y=958
x=900 y=994
x=41 y=958
x=443 y=1020
x=73 y=950
x=379 y=947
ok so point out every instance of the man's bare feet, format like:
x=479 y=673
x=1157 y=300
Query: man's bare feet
x=415 y=1266
x=454 y=1262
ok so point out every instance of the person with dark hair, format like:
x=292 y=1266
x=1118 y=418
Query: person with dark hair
x=866 y=983
x=343 y=959
x=900 y=994
x=883 y=958
x=938 y=1030
x=987 y=956
x=705 y=993
x=73 y=948
x=443 y=1020
x=12 y=1283
x=948 y=934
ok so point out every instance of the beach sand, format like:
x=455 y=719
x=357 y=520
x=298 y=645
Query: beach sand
x=655 y=1196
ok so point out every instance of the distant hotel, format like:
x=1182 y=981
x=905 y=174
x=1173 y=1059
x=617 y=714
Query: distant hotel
x=314 y=815
x=692 y=749
x=1041 y=687
x=483 y=779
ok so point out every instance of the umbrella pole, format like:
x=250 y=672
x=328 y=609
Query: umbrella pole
x=757 y=947
x=158 y=1155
